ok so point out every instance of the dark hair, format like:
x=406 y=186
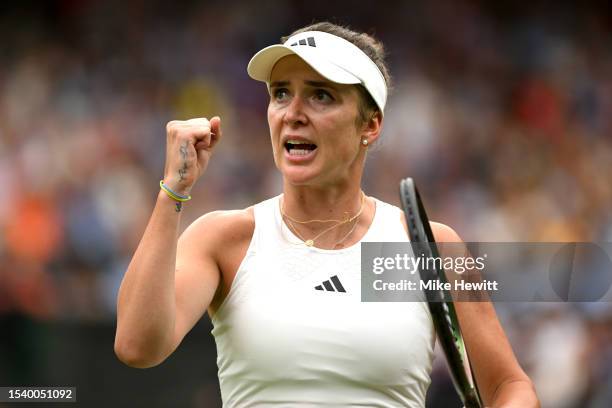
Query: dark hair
x=366 y=43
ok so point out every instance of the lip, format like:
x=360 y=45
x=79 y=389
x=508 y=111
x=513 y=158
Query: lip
x=298 y=159
x=285 y=138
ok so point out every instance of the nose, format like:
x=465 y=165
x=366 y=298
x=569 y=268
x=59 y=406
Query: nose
x=294 y=113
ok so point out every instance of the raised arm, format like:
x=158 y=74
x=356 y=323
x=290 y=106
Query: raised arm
x=501 y=380
x=148 y=325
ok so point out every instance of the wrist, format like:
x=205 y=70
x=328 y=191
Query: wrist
x=165 y=201
x=169 y=194
x=176 y=186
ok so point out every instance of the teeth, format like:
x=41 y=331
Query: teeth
x=299 y=152
x=298 y=142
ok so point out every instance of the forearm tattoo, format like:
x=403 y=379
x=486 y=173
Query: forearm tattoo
x=183 y=170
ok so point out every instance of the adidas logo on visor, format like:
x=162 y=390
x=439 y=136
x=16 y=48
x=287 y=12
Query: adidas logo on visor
x=333 y=57
x=331 y=285
x=310 y=41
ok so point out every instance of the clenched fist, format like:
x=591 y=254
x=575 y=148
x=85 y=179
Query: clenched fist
x=189 y=145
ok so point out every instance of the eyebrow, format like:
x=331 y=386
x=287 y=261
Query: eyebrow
x=317 y=84
x=276 y=84
x=320 y=84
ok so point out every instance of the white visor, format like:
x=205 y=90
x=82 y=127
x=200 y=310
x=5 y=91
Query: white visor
x=332 y=57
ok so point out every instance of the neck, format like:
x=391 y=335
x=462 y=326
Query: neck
x=329 y=218
x=307 y=203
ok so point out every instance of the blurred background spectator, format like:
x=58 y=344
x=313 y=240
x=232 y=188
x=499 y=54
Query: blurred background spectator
x=501 y=111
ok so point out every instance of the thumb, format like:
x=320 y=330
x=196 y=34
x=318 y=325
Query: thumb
x=216 y=132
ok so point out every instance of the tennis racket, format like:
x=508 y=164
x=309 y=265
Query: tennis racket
x=441 y=307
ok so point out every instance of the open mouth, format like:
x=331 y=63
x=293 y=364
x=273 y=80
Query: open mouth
x=299 y=148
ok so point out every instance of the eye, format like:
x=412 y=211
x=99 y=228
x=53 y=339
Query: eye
x=280 y=94
x=321 y=95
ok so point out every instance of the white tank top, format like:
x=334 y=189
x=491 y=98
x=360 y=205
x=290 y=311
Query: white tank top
x=287 y=334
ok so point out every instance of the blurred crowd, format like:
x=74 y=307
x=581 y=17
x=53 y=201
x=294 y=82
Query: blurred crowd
x=501 y=113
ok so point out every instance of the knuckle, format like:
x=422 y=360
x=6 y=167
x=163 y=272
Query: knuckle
x=200 y=124
x=172 y=126
x=198 y=121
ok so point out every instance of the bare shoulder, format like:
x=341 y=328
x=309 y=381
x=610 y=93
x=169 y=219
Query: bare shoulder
x=222 y=227
x=444 y=233
x=215 y=244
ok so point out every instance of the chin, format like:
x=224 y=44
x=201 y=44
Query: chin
x=298 y=176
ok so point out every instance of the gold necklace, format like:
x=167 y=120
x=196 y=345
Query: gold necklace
x=346 y=220
x=310 y=242
x=347 y=235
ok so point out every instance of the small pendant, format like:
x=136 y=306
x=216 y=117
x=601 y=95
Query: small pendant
x=309 y=242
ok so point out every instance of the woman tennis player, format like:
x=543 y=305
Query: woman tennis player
x=281 y=279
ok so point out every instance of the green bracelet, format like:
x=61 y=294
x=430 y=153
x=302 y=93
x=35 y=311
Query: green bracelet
x=172 y=194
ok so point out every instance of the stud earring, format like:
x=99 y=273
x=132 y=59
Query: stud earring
x=364 y=142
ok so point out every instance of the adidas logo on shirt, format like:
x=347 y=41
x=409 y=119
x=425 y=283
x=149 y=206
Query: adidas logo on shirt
x=331 y=285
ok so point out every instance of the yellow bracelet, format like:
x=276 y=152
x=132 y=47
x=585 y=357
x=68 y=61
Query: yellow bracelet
x=175 y=196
